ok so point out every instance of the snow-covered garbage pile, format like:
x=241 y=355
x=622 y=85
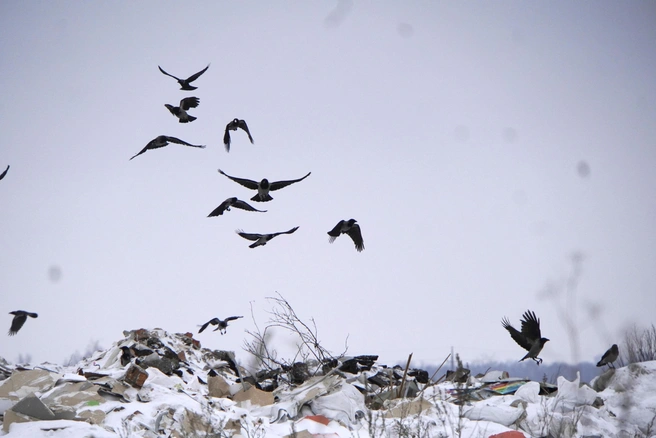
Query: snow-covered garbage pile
x=155 y=384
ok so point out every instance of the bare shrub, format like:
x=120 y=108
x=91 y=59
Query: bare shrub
x=283 y=316
x=639 y=345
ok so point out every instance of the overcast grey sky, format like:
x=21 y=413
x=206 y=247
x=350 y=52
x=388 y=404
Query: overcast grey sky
x=453 y=132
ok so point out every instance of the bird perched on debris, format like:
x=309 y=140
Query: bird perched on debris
x=609 y=357
x=185 y=84
x=233 y=126
x=222 y=324
x=530 y=337
x=181 y=111
x=2 y=175
x=232 y=202
x=263 y=187
x=348 y=227
x=20 y=316
x=126 y=355
x=262 y=239
x=163 y=140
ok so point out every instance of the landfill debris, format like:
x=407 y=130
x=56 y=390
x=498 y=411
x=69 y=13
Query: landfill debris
x=153 y=383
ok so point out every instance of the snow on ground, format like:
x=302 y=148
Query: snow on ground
x=152 y=384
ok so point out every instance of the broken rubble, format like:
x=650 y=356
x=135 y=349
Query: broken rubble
x=171 y=404
x=23 y=383
x=136 y=376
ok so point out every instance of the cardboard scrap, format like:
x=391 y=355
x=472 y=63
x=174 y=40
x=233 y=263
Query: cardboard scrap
x=218 y=387
x=136 y=376
x=407 y=408
x=255 y=396
x=11 y=417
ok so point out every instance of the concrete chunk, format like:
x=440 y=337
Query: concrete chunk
x=22 y=383
x=33 y=407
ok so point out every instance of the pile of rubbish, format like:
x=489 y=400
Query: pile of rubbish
x=155 y=384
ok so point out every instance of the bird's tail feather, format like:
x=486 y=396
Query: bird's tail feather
x=256 y=198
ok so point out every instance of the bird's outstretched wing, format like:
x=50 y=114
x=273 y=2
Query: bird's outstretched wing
x=2 y=175
x=218 y=211
x=277 y=185
x=284 y=232
x=204 y=326
x=531 y=326
x=140 y=152
x=189 y=102
x=245 y=206
x=167 y=74
x=232 y=318
x=16 y=324
x=249 y=184
x=226 y=139
x=335 y=232
x=242 y=124
x=248 y=236
x=516 y=335
x=356 y=235
x=178 y=141
x=196 y=75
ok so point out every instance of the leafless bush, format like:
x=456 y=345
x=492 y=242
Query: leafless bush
x=283 y=316
x=639 y=345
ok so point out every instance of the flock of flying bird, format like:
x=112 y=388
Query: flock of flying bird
x=263 y=189
x=529 y=338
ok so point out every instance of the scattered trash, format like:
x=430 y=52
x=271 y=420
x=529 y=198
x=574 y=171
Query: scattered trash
x=152 y=383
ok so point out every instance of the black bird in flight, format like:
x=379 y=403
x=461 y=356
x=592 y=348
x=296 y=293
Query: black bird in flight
x=185 y=84
x=609 y=357
x=222 y=324
x=348 y=227
x=181 y=111
x=263 y=187
x=262 y=239
x=162 y=141
x=2 y=175
x=530 y=337
x=233 y=126
x=232 y=202
x=20 y=316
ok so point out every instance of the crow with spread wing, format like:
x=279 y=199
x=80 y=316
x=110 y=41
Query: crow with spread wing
x=530 y=337
x=233 y=202
x=185 y=84
x=20 y=316
x=163 y=140
x=181 y=111
x=263 y=187
x=348 y=227
x=222 y=324
x=233 y=126
x=262 y=239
